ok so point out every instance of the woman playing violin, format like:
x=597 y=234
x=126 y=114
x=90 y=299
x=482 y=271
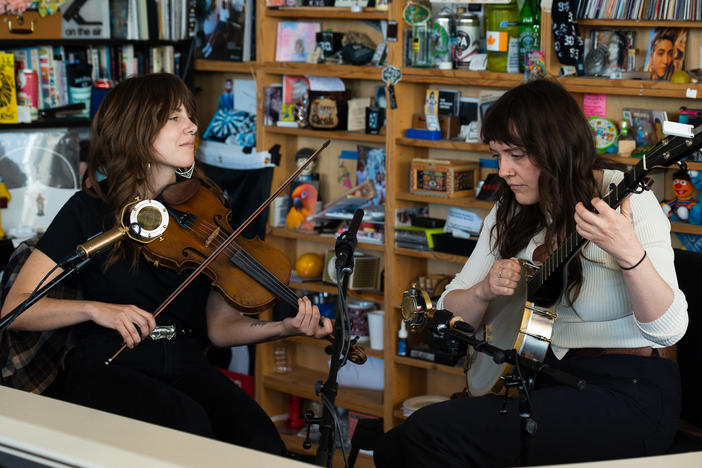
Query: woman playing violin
x=142 y=137
x=620 y=305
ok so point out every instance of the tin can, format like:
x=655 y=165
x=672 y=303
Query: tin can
x=28 y=88
x=441 y=40
x=467 y=39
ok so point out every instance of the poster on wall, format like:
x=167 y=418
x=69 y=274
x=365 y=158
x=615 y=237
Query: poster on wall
x=40 y=169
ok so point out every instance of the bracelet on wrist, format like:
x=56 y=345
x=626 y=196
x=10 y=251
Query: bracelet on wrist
x=635 y=264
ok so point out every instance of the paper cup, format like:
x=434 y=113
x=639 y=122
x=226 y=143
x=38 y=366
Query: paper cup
x=375 y=328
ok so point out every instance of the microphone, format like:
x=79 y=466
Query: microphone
x=148 y=219
x=346 y=242
x=443 y=319
x=418 y=311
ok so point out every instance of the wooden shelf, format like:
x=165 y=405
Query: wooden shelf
x=224 y=66
x=444 y=257
x=378 y=353
x=316 y=237
x=326 y=13
x=464 y=77
x=318 y=286
x=301 y=382
x=326 y=134
x=412 y=362
x=616 y=159
x=639 y=23
x=462 y=202
x=443 y=144
x=643 y=88
x=685 y=228
x=351 y=72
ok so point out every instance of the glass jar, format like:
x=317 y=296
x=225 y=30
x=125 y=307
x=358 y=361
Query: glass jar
x=502 y=41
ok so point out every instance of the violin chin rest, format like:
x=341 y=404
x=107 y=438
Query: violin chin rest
x=179 y=193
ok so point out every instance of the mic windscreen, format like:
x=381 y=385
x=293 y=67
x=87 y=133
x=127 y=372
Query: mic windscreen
x=149 y=218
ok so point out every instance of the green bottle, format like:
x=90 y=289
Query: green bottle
x=529 y=30
x=502 y=37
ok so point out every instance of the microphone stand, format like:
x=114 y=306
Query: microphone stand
x=464 y=332
x=339 y=350
x=73 y=268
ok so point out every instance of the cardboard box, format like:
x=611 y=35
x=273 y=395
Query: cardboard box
x=443 y=178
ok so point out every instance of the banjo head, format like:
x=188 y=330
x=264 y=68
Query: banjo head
x=511 y=322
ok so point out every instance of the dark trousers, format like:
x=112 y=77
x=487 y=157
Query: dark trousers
x=169 y=383
x=630 y=408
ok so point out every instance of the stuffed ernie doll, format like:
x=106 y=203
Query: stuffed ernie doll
x=679 y=208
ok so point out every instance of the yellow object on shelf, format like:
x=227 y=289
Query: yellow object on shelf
x=5 y=198
x=309 y=265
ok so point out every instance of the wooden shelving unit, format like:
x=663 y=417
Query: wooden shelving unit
x=404 y=377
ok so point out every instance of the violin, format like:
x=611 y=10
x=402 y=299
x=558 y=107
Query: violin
x=247 y=272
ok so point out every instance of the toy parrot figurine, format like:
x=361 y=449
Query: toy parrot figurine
x=303 y=203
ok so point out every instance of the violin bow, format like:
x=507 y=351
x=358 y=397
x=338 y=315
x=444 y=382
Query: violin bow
x=232 y=237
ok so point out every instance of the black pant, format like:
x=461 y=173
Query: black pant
x=169 y=383
x=630 y=408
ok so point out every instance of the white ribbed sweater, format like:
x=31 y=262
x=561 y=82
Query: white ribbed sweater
x=604 y=317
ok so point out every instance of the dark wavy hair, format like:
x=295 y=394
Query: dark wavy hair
x=544 y=120
x=122 y=135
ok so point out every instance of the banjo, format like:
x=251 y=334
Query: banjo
x=524 y=321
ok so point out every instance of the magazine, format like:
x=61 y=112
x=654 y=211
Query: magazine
x=295 y=40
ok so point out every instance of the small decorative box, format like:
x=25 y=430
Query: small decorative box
x=443 y=178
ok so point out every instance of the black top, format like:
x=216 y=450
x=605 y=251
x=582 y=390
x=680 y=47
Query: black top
x=146 y=286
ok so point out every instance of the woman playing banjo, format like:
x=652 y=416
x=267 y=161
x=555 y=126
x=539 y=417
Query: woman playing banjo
x=620 y=304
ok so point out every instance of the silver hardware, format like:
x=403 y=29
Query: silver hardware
x=162 y=332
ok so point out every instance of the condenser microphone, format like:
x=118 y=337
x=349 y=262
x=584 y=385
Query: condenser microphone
x=148 y=219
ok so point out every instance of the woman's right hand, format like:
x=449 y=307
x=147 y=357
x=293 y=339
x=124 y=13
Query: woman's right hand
x=133 y=323
x=501 y=280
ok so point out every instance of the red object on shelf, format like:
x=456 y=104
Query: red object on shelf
x=243 y=381
x=295 y=420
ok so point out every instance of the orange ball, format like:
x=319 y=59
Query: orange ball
x=309 y=265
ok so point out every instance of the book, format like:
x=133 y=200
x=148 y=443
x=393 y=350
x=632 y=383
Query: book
x=228 y=31
x=371 y=166
x=666 y=52
x=641 y=125
x=8 y=92
x=272 y=100
x=295 y=89
x=295 y=40
x=449 y=102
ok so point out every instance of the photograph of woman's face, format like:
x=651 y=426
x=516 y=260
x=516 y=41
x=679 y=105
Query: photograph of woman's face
x=661 y=58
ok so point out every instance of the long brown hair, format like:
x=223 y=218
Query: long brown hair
x=123 y=132
x=543 y=119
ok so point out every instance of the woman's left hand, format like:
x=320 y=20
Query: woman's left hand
x=308 y=321
x=610 y=230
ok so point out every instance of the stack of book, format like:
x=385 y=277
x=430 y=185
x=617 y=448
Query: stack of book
x=416 y=238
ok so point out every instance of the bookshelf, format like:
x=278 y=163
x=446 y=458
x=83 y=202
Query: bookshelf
x=406 y=377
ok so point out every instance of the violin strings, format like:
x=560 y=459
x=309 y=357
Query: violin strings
x=250 y=264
